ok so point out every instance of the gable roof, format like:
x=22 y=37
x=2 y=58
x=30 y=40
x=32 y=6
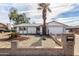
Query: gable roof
x=58 y=23
x=39 y=24
x=24 y=24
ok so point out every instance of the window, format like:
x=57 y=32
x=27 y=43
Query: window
x=22 y=28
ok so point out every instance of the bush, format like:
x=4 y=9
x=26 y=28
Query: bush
x=14 y=35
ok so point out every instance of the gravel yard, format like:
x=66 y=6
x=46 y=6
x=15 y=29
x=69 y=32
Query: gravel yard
x=4 y=35
x=37 y=42
x=33 y=42
x=27 y=43
x=5 y=44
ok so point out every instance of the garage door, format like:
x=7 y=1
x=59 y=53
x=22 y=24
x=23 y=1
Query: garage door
x=55 y=30
x=31 y=30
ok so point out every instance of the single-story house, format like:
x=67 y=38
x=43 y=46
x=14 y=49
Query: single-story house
x=74 y=29
x=53 y=27
x=28 y=28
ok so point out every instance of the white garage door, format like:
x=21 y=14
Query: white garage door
x=31 y=30
x=56 y=30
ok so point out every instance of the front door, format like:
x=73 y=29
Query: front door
x=38 y=30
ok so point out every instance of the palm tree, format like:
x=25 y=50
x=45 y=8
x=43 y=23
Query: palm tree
x=44 y=7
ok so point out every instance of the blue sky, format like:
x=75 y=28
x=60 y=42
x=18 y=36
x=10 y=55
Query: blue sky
x=73 y=12
x=62 y=12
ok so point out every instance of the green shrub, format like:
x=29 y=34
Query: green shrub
x=14 y=35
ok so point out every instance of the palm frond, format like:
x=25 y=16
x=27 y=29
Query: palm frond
x=49 y=10
x=39 y=8
x=41 y=4
x=44 y=4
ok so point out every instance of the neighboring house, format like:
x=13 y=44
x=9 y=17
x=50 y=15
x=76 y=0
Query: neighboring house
x=53 y=27
x=74 y=29
x=3 y=27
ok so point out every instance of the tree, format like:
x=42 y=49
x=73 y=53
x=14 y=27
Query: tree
x=44 y=7
x=26 y=19
x=17 y=18
x=22 y=18
x=13 y=15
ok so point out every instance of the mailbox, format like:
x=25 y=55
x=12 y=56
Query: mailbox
x=69 y=41
x=70 y=37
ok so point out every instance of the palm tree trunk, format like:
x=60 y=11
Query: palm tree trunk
x=44 y=21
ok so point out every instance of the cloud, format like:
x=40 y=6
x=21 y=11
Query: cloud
x=20 y=6
x=36 y=17
x=4 y=18
x=70 y=13
x=69 y=21
x=31 y=11
x=5 y=9
x=69 y=17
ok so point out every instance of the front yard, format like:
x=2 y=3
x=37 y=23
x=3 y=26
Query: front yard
x=4 y=35
x=29 y=41
x=37 y=42
x=33 y=41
